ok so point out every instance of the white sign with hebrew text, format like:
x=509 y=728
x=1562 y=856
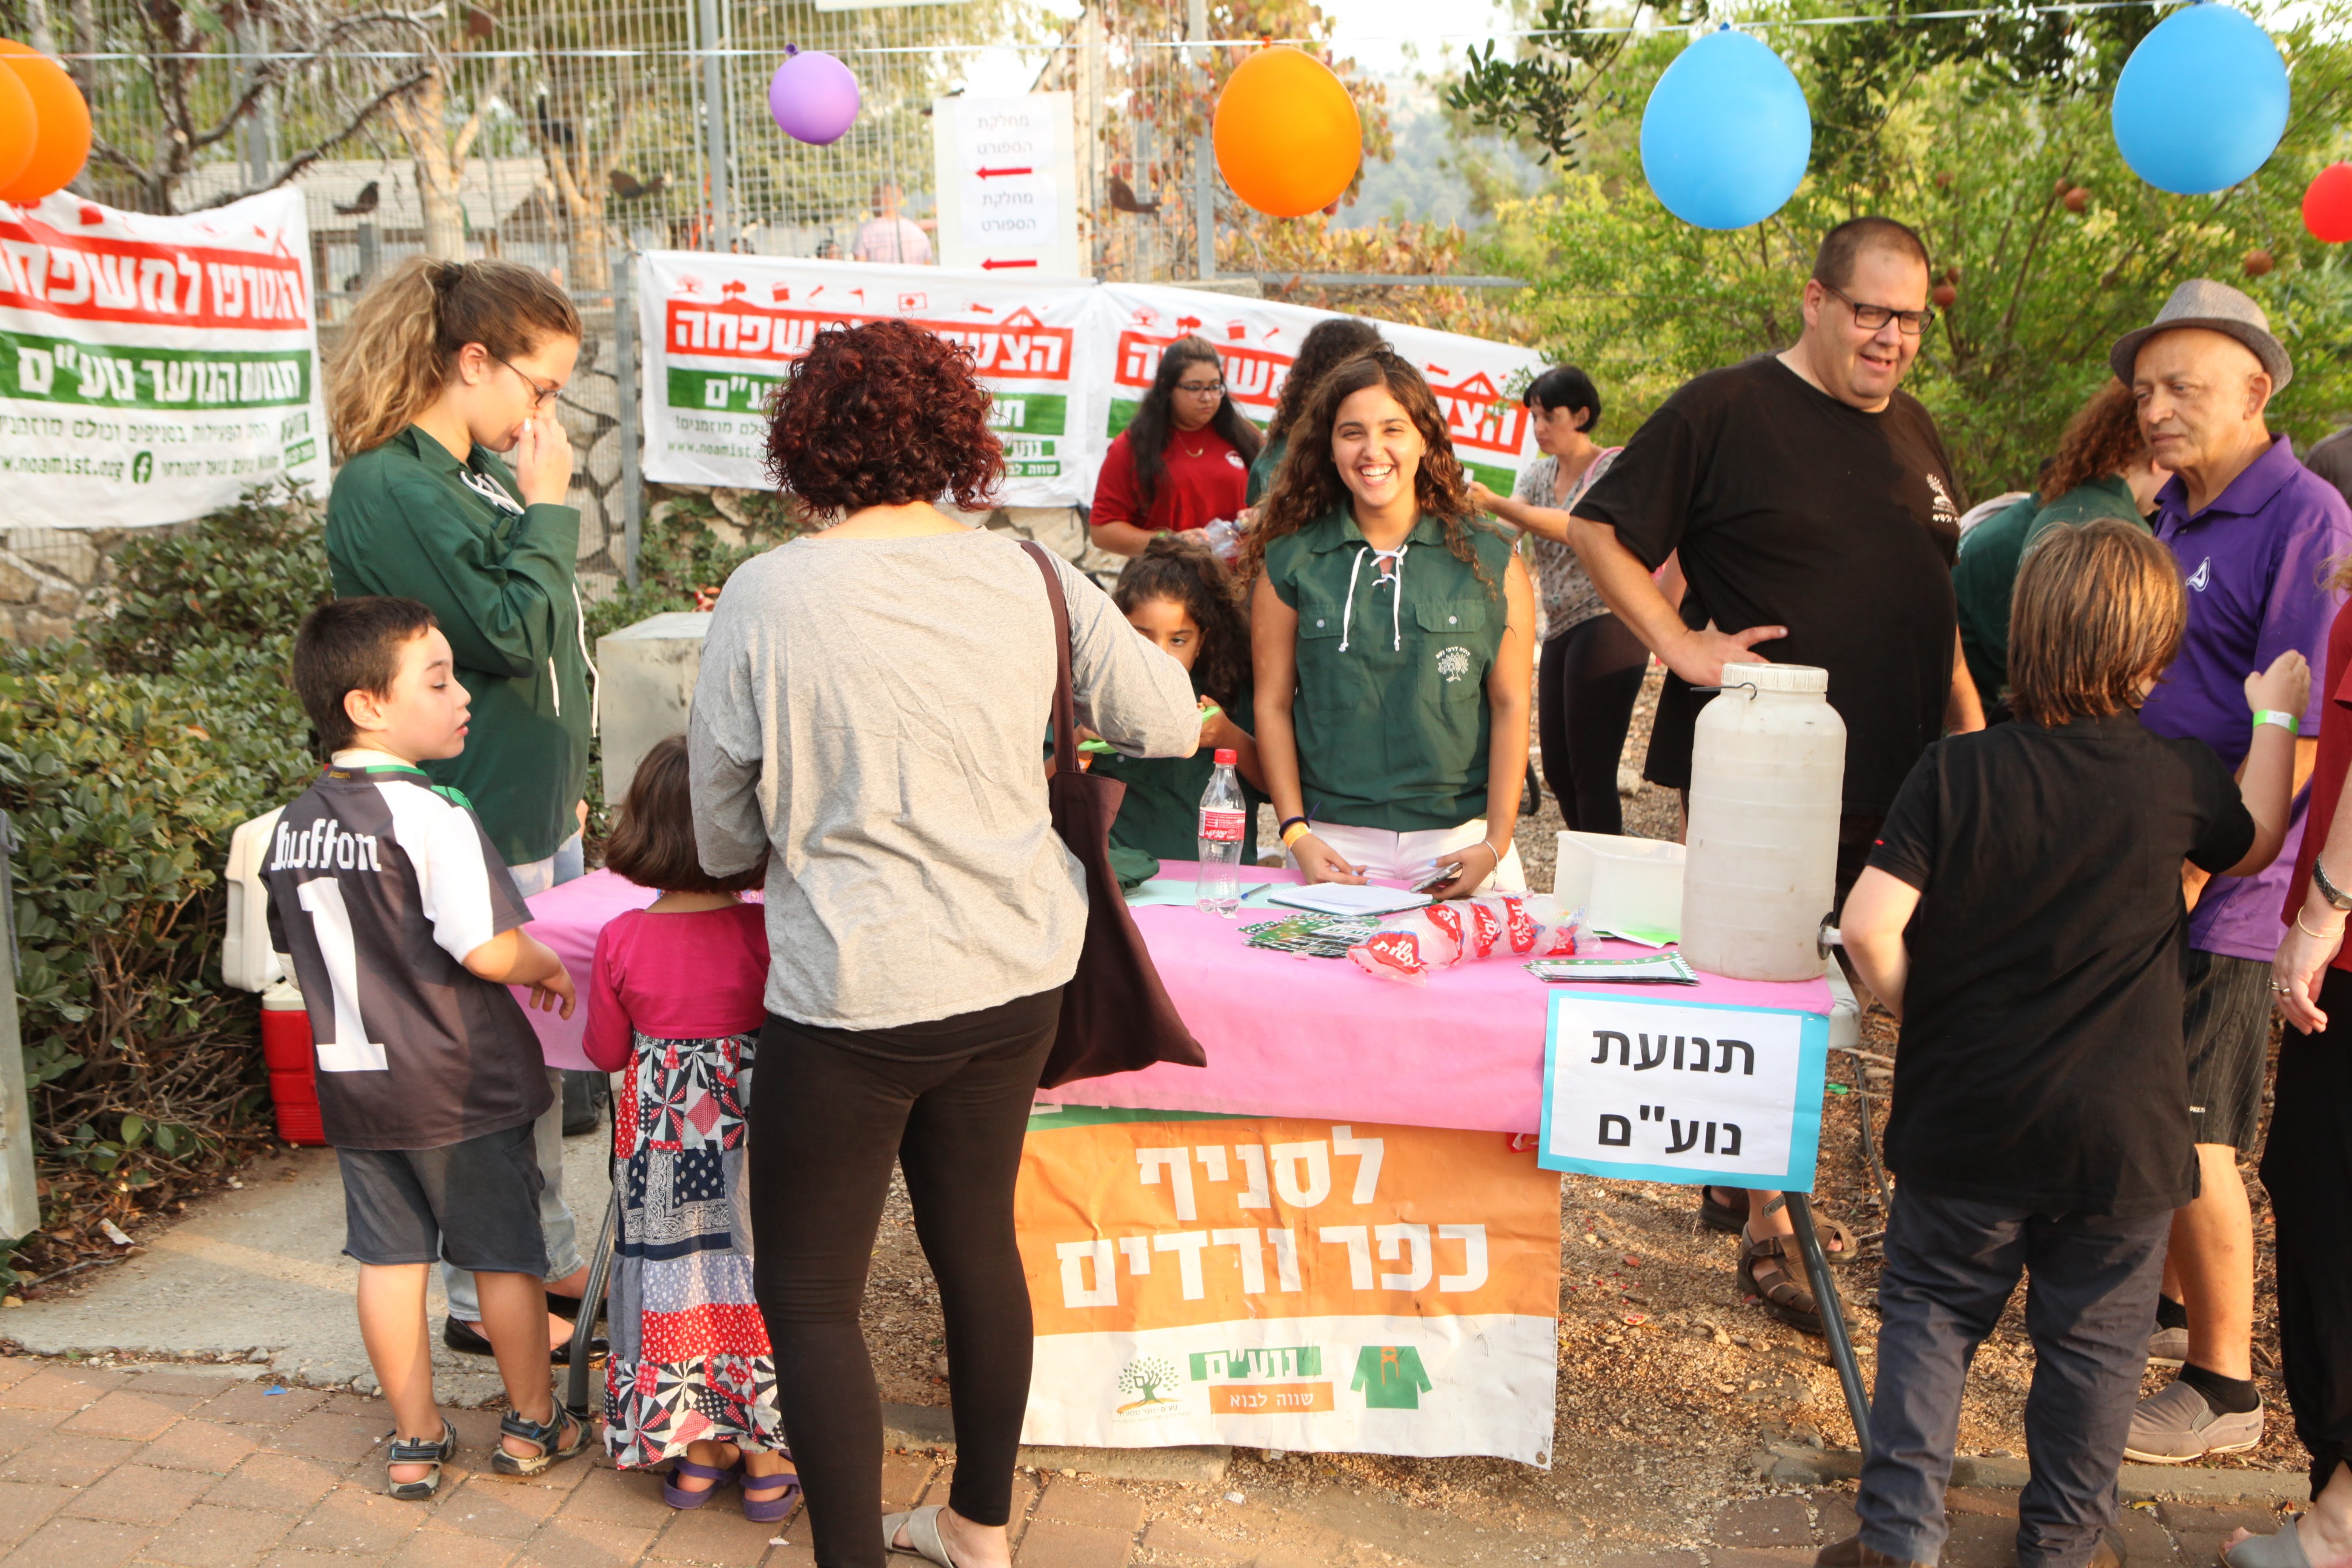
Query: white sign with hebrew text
x=1653 y=1089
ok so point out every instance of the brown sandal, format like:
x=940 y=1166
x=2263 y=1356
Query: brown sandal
x=1779 y=1286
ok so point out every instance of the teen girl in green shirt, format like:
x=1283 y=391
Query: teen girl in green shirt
x=445 y=367
x=1392 y=636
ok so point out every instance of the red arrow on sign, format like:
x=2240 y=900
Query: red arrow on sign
x=991 y=173
x=993 y=264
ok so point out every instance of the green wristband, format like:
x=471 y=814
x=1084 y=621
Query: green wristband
x=2291 y=722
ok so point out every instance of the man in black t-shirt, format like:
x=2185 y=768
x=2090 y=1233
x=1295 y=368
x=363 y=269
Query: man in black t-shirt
x=1813 y=509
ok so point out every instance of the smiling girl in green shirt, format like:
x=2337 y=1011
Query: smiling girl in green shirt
x=1392 y=637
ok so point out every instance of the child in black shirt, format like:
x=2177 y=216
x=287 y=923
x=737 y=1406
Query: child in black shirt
x=2022 y=914
x=405 y=931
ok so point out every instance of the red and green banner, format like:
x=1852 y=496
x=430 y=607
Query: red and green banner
x=153 y=368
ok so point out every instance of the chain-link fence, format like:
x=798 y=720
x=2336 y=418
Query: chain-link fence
x=564 y=134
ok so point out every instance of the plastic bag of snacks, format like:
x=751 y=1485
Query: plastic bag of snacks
x=1493 y=925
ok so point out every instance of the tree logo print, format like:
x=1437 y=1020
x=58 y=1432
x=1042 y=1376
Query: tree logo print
x=1452 y=663
x=1147 y=1376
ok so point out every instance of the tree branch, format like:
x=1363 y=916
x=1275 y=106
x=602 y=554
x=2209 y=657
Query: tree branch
x=312 y=155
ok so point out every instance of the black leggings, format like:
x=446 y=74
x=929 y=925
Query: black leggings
x=2307 y=1169
x=830 y=1109
x=1585 y=691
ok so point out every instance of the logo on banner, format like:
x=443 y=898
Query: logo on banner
x=1150 y=1387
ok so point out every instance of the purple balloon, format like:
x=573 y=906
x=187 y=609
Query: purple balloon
x=814 y=97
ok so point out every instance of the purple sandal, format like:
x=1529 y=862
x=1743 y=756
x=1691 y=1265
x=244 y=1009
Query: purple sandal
x=679 y=1496
x=760 y=1509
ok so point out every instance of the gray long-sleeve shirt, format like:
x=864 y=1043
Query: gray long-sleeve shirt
x=874 y=711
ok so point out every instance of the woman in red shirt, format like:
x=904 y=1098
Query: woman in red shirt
x=1183 y=462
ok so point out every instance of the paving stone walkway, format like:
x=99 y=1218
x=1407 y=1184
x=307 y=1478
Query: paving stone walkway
x=189 y=1469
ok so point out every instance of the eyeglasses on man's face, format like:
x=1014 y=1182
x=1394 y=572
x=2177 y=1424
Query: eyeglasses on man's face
x=1874 y=318
x=540 y=396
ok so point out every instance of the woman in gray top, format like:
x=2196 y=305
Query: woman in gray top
x=871 y=711
x=1593 y=664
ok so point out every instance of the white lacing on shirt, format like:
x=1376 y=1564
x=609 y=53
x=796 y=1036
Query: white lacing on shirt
x=1394 y=578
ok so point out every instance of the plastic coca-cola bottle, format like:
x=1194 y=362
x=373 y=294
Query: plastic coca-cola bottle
x=1224 y=817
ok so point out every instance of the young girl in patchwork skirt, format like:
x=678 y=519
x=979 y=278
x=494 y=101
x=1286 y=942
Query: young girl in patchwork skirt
x=675 y=999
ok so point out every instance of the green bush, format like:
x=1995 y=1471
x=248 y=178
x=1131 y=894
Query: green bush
x=246 y=573
x=683 y=550
x=126 y=763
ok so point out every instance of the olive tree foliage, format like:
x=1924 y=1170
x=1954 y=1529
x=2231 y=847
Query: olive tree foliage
x=1991 y=137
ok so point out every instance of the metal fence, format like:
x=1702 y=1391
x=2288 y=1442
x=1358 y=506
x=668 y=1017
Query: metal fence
x=564 y=134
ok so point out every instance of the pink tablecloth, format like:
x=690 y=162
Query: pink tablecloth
x=1286 y=1036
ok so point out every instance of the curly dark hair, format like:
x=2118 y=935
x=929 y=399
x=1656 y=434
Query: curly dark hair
x=880 y=415
x=1180 y=567
x=1155 y=418
x=1309 y=486
x=2104 y=438
x=1327 y=343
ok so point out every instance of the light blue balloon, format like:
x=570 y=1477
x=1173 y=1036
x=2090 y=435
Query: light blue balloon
x=2202 y=102
x=1726 y=133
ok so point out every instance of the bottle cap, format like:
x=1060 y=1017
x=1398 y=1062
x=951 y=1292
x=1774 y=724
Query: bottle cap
x=1226 y=757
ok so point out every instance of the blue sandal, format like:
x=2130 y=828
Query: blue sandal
x=765 y=1509
x=547 y=1437
x=432 y=1451
x=680 y=1497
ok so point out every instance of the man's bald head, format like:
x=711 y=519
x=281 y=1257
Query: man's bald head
x=2200 y=396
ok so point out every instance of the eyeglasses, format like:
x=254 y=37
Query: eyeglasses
x=1874 y=318
x=540 y=396
x=1202 y=389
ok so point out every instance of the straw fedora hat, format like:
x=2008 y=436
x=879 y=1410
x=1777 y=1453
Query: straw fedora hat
x=2216 y=306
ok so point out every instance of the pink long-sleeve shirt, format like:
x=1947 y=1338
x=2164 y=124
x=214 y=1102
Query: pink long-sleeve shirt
x=695 y=976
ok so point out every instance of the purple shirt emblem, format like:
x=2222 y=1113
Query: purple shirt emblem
x=2255 y=562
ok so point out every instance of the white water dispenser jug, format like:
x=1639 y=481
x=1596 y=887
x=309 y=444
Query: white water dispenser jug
x=1767 y=769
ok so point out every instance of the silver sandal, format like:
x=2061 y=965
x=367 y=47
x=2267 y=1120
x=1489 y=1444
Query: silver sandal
x=922 y=1528
x=432 y=1451
x=2282 y=1549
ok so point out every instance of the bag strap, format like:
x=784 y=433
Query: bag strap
x=1066 y=716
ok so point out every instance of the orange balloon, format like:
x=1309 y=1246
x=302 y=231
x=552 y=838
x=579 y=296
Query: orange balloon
x=19 y=127
x=61 y=145
x=1287 y=138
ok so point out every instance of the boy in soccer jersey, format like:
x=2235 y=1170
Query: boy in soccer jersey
x=405 y=931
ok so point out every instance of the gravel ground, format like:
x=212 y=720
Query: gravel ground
x=1669 y=1382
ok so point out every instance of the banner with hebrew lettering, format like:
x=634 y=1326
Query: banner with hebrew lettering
x=1287 y=1284
x=153 y=368
x=1661 y=1091
x=719 y=331
x=1477 y=383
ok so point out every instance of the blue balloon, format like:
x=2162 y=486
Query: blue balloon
x=1726 y=135
x=2202 y=102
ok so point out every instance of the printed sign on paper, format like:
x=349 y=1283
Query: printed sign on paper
x=720 y=332
x=1287 y=1284
x=1007 y=174
x=154 y=368
x=1682 y=1092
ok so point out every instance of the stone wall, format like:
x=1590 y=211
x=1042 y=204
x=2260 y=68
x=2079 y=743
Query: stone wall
x=48 y=575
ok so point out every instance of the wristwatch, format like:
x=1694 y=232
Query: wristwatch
x=2337 y=897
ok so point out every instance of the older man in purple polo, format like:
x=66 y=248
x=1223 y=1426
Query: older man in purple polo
x=2254 y=532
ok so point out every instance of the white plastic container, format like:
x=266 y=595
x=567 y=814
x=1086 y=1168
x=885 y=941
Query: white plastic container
x=648 y=673
x=246 y=961
x=1767 y=769
x=1622 y=884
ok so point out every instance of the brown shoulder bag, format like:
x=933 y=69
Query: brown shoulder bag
x=1116 y=1015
